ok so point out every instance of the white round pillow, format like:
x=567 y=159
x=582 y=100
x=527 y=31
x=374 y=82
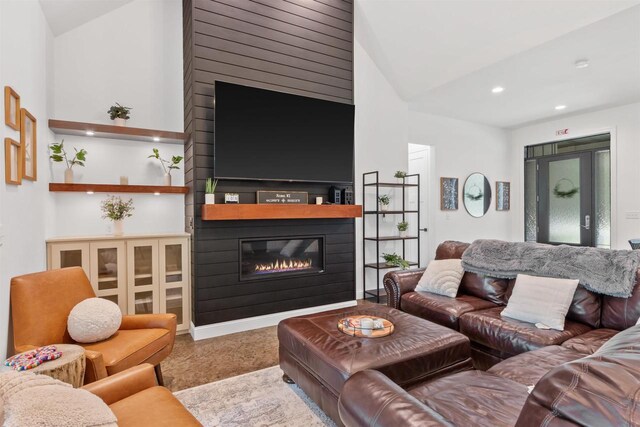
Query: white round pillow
x=93 y=320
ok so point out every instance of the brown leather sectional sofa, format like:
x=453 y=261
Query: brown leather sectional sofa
x=591 y=321
x=587 y=375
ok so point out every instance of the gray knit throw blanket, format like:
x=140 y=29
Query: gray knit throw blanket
x=604 y=271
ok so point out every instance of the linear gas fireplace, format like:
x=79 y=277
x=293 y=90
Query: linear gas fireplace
x=268 y=258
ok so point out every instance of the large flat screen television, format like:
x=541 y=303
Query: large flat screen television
x=268 y=135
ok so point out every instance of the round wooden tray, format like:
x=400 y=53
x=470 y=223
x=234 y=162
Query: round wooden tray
x=348 y=326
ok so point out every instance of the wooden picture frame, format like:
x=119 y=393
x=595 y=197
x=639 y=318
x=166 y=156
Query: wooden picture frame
x=11 y=108
x=29 y=143
x=449 y=194
x=503 y=195
x=12 y=162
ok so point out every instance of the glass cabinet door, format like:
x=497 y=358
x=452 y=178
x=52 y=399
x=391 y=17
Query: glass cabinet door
x=63 y=255
x=108 y=271
x=142 y=276
x=174 y=279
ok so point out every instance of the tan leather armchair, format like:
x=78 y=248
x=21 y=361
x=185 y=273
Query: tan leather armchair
x=137 y=400
x=40 y=306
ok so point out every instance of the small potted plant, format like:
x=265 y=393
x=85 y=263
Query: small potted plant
x=395 y=260
x=167 y=165
x=209 y=191
x=59 y=154
x=384 y=202
x=116 y=210
x=119 y=114
x=401 y=175
x=402 y=228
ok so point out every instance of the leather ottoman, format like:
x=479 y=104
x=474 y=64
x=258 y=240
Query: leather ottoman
x=319 y=358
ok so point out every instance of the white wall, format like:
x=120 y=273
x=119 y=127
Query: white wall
x=26 y=210
x=461 y=148
x=624 y=123
x=141 y=68
x=380 y=144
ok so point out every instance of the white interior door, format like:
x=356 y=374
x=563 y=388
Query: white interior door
x=420 y=162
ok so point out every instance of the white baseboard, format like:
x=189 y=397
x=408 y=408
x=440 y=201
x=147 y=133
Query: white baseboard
x=241 y=325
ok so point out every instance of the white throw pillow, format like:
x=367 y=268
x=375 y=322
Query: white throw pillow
x=37 y=400
x=442 y=277
x=541 y=300
x=93 y=320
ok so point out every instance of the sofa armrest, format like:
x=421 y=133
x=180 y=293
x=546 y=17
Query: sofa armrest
x=123 y=384
x=369 y=398
x=95 y=369
x=397 y=283
x=149 y=321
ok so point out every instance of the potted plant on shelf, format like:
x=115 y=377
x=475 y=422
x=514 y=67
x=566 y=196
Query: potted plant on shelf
x=401 y=175
x=167 y=165
x=116 y=210
x=402 y=228
x=384 y=202
x=209 y=191
x=395 y=260
x=59 y=154
x=119 y=114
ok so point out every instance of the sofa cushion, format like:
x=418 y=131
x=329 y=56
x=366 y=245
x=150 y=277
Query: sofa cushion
x=621 y=313
x=591 y=341
x=511 y=337
x=451 y=249
x=541 y=300
x=155 y=406
x=474 y=398
x=130 y=347
x=440 y=309
x=442 y=277
x=488 y=288
x=527 y=368
x=586 y=307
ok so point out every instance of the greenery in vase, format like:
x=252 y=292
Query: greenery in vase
x=116 y=209
x=396 y=260
x=167 y=165
x=384 y=200
x=403 y=226
x=119 y=112
x=400 y=174
x=210 y=186
x=60 y=155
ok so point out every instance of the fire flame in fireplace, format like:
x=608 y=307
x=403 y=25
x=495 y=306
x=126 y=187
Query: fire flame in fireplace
x=283 y=266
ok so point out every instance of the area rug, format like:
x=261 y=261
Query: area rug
x=258 y=398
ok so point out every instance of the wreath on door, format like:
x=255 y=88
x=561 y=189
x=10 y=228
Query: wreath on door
x=474 y=193
x=565 y=189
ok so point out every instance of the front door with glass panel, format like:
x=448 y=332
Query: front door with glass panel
x=564 y=198
x=568 y=192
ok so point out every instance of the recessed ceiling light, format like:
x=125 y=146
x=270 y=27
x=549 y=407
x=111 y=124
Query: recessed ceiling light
x=156 y=194
x=89 y=192
x=560 y=107
x=582 y=63
x=497 y=89
x=156 y=138
x=90 y=133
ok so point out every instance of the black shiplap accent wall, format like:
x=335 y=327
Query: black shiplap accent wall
x=303 y=47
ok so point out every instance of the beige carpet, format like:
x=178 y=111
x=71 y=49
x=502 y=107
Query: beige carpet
x=258 y=398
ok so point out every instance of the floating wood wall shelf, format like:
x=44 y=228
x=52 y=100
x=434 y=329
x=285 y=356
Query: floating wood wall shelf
x=95 y=130
x=247 y=212
x=109 y=188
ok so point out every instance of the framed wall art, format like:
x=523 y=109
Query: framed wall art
x=29 y=143
x=11 y=108
x=449 y=194
x=12 y=162
x=503 y=196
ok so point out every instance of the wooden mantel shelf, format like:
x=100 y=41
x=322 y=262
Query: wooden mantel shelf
x=231 y=212
x=113 y=188
x=63 y=127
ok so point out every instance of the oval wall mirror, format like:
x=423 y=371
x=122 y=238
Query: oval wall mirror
x=477 y=195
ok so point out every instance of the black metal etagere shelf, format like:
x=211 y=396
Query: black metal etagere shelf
x=406 y=184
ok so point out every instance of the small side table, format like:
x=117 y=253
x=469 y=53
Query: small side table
x=69 y=368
